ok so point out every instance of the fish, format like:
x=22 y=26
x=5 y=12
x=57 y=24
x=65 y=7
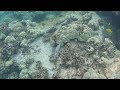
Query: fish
x=109 y=30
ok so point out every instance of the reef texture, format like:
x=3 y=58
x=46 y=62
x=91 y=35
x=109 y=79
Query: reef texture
x=84 y=52
x=72 y=45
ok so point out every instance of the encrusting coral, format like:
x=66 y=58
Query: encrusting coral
x=79 y=46
x=91 y=51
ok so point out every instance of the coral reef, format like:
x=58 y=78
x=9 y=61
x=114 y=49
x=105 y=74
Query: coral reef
x=72 y=45
x=96 y=52
x=83 y=55
x=38 y=72
x=15 y=37
x=7 y=68
x=72 y=31
x=93 y=74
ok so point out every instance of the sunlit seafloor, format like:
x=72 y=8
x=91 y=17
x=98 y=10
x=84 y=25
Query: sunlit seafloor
x=59 y=45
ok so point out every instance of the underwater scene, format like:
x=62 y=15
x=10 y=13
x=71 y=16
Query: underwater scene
x=59 y=44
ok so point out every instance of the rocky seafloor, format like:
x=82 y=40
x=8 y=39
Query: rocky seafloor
x=58 y=45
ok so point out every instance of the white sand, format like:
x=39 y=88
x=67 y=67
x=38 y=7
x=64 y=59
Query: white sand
x=45 y=50
x=41 y=52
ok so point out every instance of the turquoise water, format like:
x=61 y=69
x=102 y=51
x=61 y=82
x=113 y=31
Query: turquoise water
x=26 y=15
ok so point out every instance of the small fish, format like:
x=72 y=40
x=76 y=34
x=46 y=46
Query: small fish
x=57 y=50
x=109 y=30
x=109 y=24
